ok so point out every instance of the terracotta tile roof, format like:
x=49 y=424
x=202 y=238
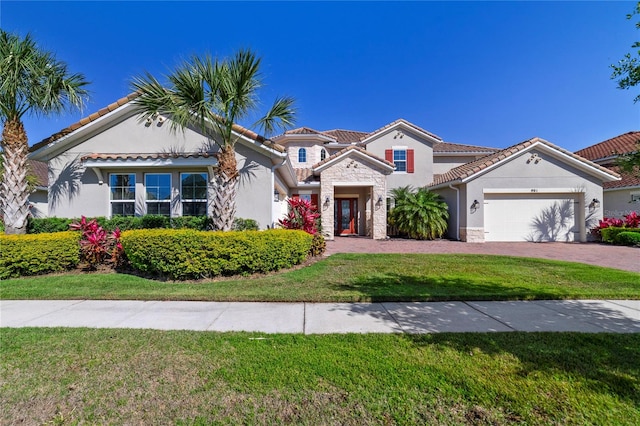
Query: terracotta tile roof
x=41 y=171
x=445 y=147
x=125 y=100
x=352 y=148
x=621 y=144
x=467 y=170
x=146 y=156
x=628 y=180
x=345 y=136
x=403 y=121
x=302 y=131
x=306 y=175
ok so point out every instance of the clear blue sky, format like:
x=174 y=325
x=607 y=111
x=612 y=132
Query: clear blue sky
x=482 y=73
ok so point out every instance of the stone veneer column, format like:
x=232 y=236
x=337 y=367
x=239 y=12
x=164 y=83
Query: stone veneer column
x=472 y=235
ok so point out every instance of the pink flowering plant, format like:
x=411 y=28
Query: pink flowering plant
x=302 y=215
x=98 y=246
x=631 y=220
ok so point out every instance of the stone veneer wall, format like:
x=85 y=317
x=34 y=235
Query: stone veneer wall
x=472 y=235
x=359 y=172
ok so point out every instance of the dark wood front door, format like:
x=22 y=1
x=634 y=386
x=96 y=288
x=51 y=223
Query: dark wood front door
x=346 y=216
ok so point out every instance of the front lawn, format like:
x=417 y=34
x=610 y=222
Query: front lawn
x=94 y=376
x=359 y=278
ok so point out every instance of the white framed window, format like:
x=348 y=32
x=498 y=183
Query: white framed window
x=323 y=154
x=158 y=193
x=122 y=192
x=635 y=197
x=302 y=155
x=193 y=194
x=400 y=159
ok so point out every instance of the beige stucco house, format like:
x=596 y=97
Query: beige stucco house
x=114 y=163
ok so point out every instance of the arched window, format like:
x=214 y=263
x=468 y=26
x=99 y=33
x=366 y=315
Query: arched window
x=302 y=155
x=323 y=154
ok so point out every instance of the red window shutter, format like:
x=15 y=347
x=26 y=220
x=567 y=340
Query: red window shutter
x=314 y=200
x=409 y=161
x=388 y=155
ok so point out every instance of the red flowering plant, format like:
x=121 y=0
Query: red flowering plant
x=97 y=245
x=632 y=220
x=302 y=215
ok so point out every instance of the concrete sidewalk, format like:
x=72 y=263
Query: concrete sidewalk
x=615 y=316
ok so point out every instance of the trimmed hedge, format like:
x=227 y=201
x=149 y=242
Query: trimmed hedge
x=123 y=223
x=189 y=254
x=23 y=255
x=628 y=238
x=610 y=234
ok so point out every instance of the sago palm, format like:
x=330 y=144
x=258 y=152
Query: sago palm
x=212 y=95
x=32 y=82
x=421 y=214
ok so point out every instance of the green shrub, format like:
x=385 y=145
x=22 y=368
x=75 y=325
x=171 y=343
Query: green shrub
x=122 y=223
x=152 y=221
x=240 y=224
x=318 y=245
x=190 y=254
x=23 y=255
x=199 y=223
x=47 y=225
x=628 y=238
x=609 y=234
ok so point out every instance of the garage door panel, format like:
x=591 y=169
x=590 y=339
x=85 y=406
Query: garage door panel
x=530 y=217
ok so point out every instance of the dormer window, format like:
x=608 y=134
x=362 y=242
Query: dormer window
x=302 y=155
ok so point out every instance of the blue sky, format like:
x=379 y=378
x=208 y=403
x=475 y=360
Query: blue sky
x=481 y=73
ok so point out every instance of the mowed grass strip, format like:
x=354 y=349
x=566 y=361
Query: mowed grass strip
x=358 y=278
x=96 y=376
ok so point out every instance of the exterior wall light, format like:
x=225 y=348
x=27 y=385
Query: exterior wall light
x=475 y=206
x=276 y=195
x=595 y=203
x=327 y=200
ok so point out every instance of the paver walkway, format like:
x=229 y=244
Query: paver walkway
x=627 y=258
x=616 y=316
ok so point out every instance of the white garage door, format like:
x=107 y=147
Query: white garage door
x=531 y=217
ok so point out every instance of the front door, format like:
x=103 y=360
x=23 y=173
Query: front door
x=346 y=216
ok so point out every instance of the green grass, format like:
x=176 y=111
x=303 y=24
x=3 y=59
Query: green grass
x=93 y=376
x=358 y=278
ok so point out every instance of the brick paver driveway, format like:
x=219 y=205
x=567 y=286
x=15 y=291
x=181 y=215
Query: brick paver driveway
x=627 y=258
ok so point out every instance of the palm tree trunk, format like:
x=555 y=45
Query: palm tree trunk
x=14 y=191
x=225 y=188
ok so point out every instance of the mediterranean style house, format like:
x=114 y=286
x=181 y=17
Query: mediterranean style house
x=623 y=196
x=114 y=163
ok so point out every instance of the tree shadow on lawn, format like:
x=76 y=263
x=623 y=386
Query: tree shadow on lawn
x=393 y=287
x=607 y=363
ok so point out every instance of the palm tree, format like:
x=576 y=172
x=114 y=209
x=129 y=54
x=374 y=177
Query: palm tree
x=212 y=95
x=32 y=81
x=420 y=214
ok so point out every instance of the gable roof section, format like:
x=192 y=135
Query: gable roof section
x=351 y=150
x=124 y=102
x=345 y=136
x=398 y=123
x=611 y=148
x=628 y=180
x=457 y=148
x=469 y=171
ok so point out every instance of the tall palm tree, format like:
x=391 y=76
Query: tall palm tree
x=213 y=95
x=32 y=81
x=421 y=214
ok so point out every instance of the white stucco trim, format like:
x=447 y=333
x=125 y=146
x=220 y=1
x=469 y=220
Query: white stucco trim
x=152 y=162
x=353 y=183
x=531 y=191
x=357 y=153
x=400 y=126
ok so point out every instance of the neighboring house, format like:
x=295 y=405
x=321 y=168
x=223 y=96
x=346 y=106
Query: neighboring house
x=623 y=196
x=113 y=163
x=38 y=202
